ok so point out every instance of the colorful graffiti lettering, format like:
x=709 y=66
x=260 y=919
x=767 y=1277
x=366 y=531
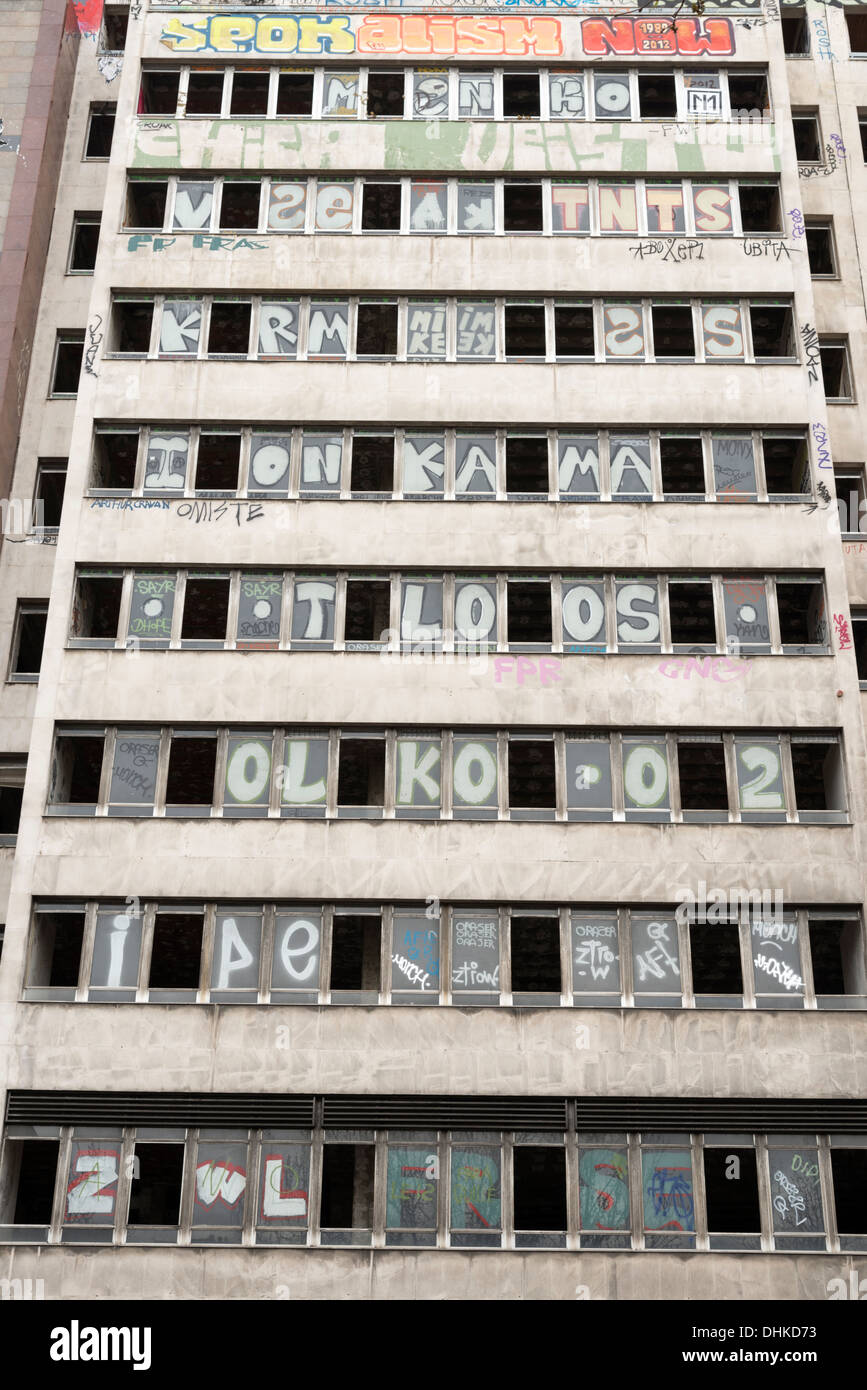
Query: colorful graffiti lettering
x=604 y=1190
x=88 y=13
x=409 y=34
x=624 y=37
x=841 y=625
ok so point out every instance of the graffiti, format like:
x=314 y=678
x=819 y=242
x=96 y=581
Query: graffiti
x=416 y=34
x=657 y=961
x=670 y=250
x=93 y=1176
x=823 y=40
x=670 y=1193
x=88 y=13
x=766 y=247
x=812 y=356
x=549 y=669
x=200 y=242
x=798 y=228
x=821 y=438
x=95 y=338
x=779 y=971
x=12 y=143
x=841 y=625
x=198 y=512
x=690 y=37
x=284 y=1186
x=834 y=148
x=789 y=1199
x=219 y=1182
x=129 y=504
x=415 y=974
x=109 y=65
x=719 y=668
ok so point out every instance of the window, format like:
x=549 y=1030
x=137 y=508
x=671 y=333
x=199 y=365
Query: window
x=849 y=1169
x=155 y=1189
x=808 y=146
x=673 y=336
x=176 y=956
x=114 y=459
x=27 y=641
x=68 y=355
x=834 y=353
x=204 y=93
x=818 y=774
x=190 y=781
x=346 y=1210
x=55 y=955
x=772 y=329
x=573 y=331
x=77 y=770
x=535 y=957
x=820 y=249
x=837 y=955
x=361 y=776
x=30 y=1174
x=732 y=1194
x=356 y=944
x=682 y=462
x=239 y=208
x=796 y=33
x=48 y=492
x=748 y=95
x=85 y=239
x=295 y=94
x=380 y=209
x=803 y=624
x=862 y=131
x=760 y=207
x=527 y=465
x=367 y=610
x=859 y=637
x=539 y=1192
x=715 y=954
x=657 y=99
x=229 y=333
x=532 y=786
x=12 y=773
x=218 y=460
x=96 y=612
x=250 y=92
x=114 y=22
x=377 y=330
x=372 y=468
x=703 y=787
x=206 y=611
x=522 y=207
x=100 y=129
x=856 y=24
x=521 y=95
x=525 y=331
x=691 y=614
x=850 y=483
x=528 y=612
x=132 y=326
x=787 y=468
x=384 y=93
x=159 y=93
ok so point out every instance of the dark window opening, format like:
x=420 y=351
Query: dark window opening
x=295 y=94
x=857 y=27
x=85 y=239
x=837 y=955
x=797 y=604
x=760 y=207
x=176 y=958
x=229 y=333
x=367 y=610
x=672 y=330
x=31 y=640
x=50 y=487
x=835 y=371
x=531 y=774
x=691 y=612
x=377 y=330
x=67 y=366
x=191 y=771
x=807 y=147
x=115 y=18
x=159 y=93
x=355 y=952
x=785 y=464
x=10 y=809
x=820 y=248
x=36 y=1160
x=814 y=766
x=380 y=208
x=535 y=955
x=702 y=771
x=204 y=94
x=748 y=95
x=146 y=204
x=716 y=958
x=862 y=131
x=657 y=99
x=525 y=330
x=97 y=606
x=732 y=1190
x=155 y=1192
x=384 y=93
x=527 y=464
x=239 y=209
x=361 y=773
x=250 y=93
x=56 y=959
x=100 y=130
x=539 y=1188
x=522 y=207
x=77 y=769
x=529 y=612
x=859 y=636
x=772 y=330
x=849 y=1171
x=372 y=463
x=217 y=463
x=206 y=612
x=682 y=466
x=114 y=460
x=132 y=322
x=521 y=95
x=347 y=1187
x=796 y=33
x=573 y=330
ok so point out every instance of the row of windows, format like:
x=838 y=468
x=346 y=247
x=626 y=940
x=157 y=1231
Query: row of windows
x=482 y=1189
x=269 y=610
x=708 y=778
x=722 y=956
x=479 y=463
x=460 y=329
x=442 y=93
x=637 y=207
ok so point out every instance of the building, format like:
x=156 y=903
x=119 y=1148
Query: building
x=443 y=829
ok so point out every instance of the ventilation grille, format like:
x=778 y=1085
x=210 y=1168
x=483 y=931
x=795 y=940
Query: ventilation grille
x=444 y=1112
x=714 y=1114
x=156 y=1108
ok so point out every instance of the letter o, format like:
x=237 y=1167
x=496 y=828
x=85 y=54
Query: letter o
x=475 y=791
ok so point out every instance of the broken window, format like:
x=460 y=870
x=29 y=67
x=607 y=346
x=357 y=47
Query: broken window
x=859 y=637
x=12 y=773
x=85 y=239
x=703 y=787
x=532 y=781
x=250 y=92
x=100 y=129
x=748 y=95
x=376 y=335
x=367 y=611
x=28 y=640
x=657 y=99
x=155 y=1190
x=717 y=973
x=372 y=468
x=176 y=955
x=819 y=786
x=807 y=142
x=573 y=331
x=796 y=33
x=849 y=1170
x=820 y=249
x=731 y=1187
x=55 y=954
x=68 y=355
x=380 y=207
x=295 y=93
x=760 y=207
x=539 y=1192
x=856 y=25
x=673 y=336
x=48 y=492
x=522 y=207
x=803 y=620
x=384 y=93
x=134 y=773
x=96 y=612
x=521 y=95
x=837 y=954
x=691 y=614
x=787 y=466
x=205 y=92
x=682 y=463
x=30 y=1173
x=346 y=1207
x=166 y=462
x=132 y=326
x=525 y=331
x=772 y=329
x=535 y=959
x=356 y=945
x=206 y=609
x=77 y=770
x=146 y=203
x=527 y=465
x=159 y=93
x=114 y=23
x=528 y=608
x=218 y=459
x=239 y=206
x=361 y=776
x=190 y=782
x=836 y=373
x=229 y=332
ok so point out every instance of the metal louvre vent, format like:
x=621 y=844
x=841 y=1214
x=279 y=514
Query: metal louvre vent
x=444 y=1112
x=760 y=1115
x=156 y=1108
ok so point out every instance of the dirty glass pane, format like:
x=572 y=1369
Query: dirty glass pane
x=313 y=610
x=636 y=603
x=166 y=463
x=287 y=206
x=116 y=950
x=734 y=467
x=415 y=954
x=412 y=1188
x=476 y=1189
x=134 y=772
x=760 y=779
x=221 y=1180
x=430 y=93
x=588 y=779
x=91 y=1191
x=340 y=94
x=631 y=475
x=321 y=459
x=745 y=605
x=655 y=955
x=297 y=944
x=475 y=612
x=475 y=778
x=237 y=943
x=666 y=1180
x=180 y=327
x=248 y=773
x=566 y=93
x=476 y=95
x=151 y=608
x=595 y=954
x=584 y=616
x=260 y=599
x=475 y=207
x=796 y=1192
x=270 y=459
x=426 y=329
x=578 y=466
x=476 y=339
x=603 y=1189
x=284 y=1185
x=428 y=207
x=328 y=333
x=334 y=207
x=304 y=772
x=194 y=202
x=475 y=465
x=278 y=328
x=776 y=957
x=475 y=953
